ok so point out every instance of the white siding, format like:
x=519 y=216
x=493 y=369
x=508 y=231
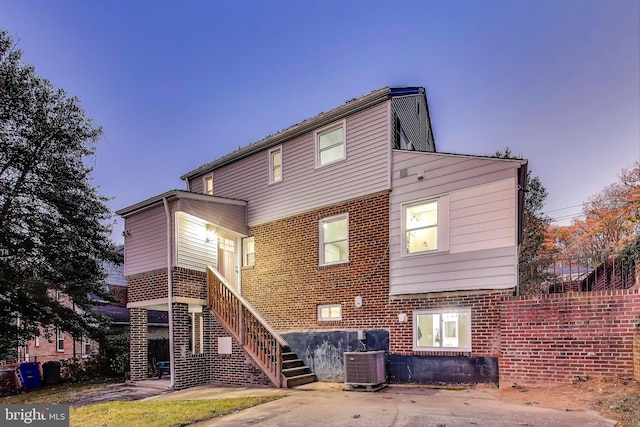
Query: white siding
x=194 y=251
x=304 y=186
x=482 y=223
x=146 y=246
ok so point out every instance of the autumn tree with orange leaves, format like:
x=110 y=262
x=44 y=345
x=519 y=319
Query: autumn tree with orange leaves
x=611 y=221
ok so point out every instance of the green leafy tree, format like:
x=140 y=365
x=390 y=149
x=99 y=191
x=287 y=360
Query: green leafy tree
x=534 y=228
x=54 y=226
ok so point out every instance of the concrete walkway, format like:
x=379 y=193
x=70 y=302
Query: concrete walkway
x=329 y=404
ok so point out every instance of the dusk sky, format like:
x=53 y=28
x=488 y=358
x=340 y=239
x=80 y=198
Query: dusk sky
x=177 y=84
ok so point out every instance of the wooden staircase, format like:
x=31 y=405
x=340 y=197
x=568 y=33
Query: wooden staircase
x=294 y=371
x=265 y=346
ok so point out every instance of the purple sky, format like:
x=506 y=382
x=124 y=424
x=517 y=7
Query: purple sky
x=178 y=84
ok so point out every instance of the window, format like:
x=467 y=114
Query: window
x=248 y=251
x=59 y=340
x=196 y=330
x=442 y=330
x=37 y=343
x=275 y=165
x=329 y=312
x=334 y=239
x=425 y=226
x=208 y=184
x=330 y=144
x=226 y=244
x=86 y=346
x=59 y=296
x=421 y=227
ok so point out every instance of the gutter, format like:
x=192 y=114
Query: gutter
x=170 y=295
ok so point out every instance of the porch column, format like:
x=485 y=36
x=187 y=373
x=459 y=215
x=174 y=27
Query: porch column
x=138 y=342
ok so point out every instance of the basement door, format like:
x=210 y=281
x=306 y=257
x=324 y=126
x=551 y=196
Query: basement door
x=228 y=260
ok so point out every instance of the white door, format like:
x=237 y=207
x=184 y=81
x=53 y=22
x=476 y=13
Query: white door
x=228 y=260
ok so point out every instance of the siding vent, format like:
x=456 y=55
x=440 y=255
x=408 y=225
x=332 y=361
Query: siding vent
x=404 y=173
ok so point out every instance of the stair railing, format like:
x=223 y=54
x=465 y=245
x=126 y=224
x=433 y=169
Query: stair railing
x=253 y=332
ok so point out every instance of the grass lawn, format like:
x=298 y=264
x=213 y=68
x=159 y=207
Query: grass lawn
x=55 y=394
x=160 y=414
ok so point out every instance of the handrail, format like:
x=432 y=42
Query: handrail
x=248 y=307
x=253 y=332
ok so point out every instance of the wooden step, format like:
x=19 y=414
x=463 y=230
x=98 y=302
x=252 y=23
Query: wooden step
x=297 y=371
x=292 y=363
x=289 y=355
x=298 y=380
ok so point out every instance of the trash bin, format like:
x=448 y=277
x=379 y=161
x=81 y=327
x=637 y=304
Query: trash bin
x=51 y=373
x=30 y=373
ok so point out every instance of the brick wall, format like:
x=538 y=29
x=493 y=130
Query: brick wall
x=147 y=286
x=286 y=284
x=555 y=338
x=485 y=319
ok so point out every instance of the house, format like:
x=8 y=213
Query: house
x=344 y=232
x=60 y=345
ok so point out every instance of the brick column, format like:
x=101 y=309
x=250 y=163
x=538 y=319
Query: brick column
x=138 y=344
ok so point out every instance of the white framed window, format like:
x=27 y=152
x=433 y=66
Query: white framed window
x=196 y=329
x=207 y=184
x=329 y=312
x=425 y=226
x=59 y=296
x=248 y=251
x=330 y=144
x=59 y=340
x=334 y=239
x=37 y=341
x=442 y=330
x=86 y=346
x=275 y=165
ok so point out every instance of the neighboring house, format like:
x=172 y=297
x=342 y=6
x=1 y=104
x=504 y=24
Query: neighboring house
x=345 y=232
x=60 y=345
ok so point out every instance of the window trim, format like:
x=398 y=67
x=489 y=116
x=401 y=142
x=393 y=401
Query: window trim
x=441 y=348
x=272 y=178
x=321 y=241
x=86 y=342
x=196 y=328
x=59 y=340
x=319 y=132
x=329 y=319
x=206 y=179
x=245 y=251
x=442 y=225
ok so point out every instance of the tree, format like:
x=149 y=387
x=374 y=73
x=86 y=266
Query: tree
x=534 y=226
x=611 y=220
x=54 y=226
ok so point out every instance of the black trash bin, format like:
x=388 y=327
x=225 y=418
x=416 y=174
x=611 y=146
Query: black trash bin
x=51 y=372
x=30 y=373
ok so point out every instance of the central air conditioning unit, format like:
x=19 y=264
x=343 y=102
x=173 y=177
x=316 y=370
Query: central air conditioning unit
x=364 y=368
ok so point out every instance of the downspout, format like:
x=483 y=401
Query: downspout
x=172 y=371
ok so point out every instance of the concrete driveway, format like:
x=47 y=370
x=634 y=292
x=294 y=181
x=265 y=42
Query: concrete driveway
x=328 y=404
